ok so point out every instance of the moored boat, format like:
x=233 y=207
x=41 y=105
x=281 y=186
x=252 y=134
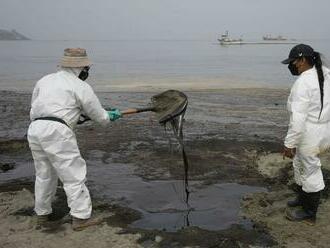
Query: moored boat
x=226 y=40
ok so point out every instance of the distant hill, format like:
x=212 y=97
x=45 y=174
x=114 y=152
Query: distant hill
x=11 y=35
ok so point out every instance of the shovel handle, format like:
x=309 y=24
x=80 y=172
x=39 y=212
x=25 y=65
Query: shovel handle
x=137 y=110
x=85 y=118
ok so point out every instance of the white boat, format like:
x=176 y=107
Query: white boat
x=225 y=40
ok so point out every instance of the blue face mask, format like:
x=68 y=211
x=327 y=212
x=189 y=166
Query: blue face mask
x=84 y=73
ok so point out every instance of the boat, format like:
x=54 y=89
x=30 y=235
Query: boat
x=267 y=40
x=226 y=40
x=271 y=38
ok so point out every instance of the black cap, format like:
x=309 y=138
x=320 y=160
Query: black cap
x=299 y=51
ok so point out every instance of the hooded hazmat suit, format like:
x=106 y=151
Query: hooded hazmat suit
x=54 y=145
x=309 y=132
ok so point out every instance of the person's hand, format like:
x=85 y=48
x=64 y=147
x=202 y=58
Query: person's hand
x=114 y=114
x=289 y=152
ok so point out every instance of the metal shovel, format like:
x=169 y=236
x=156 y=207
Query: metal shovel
x=167 y=105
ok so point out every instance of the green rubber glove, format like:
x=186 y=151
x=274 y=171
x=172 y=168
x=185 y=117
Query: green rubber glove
x=114 y=114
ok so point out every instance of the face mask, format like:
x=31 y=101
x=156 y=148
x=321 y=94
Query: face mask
x=84 y=73
x=293 y=69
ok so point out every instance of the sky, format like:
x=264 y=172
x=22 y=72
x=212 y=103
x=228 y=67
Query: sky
x=165 y=19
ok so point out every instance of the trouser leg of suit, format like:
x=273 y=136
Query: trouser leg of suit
x=46 y=179
x=73 y=176
x=307 y=152
x=311 y=174
x=297 y=169
x=60 y=145
x=65 y=156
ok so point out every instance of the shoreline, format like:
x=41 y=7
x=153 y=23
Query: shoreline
x=148 y=89
x=154 y=84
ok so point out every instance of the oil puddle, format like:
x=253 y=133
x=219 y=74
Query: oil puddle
x=162 y=203
x=215 y=207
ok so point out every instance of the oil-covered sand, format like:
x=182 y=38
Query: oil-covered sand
x=239 y=180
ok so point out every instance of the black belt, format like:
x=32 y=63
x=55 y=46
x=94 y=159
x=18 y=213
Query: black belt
x=49 y=118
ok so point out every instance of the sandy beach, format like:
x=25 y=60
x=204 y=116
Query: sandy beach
x=233 y=139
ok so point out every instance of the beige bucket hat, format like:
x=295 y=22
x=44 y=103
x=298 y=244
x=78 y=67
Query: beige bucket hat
x=75 y=57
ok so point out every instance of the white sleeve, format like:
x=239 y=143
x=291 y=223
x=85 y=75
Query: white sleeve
x=298 y=104
x=91 y=105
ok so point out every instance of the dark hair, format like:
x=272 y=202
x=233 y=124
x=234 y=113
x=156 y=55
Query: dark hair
x=317 y=62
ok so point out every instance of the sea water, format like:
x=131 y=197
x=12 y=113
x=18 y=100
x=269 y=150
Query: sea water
x=153 y=64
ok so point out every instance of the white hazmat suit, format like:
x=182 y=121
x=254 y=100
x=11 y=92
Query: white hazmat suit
x=54 y=145
x=308 y=132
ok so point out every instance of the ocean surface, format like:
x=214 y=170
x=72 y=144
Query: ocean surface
x=153 y=64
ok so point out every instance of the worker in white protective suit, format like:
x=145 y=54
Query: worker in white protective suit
x=309 y=129
x=58 y=100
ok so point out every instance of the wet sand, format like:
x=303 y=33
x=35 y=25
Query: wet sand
x=232 y=136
